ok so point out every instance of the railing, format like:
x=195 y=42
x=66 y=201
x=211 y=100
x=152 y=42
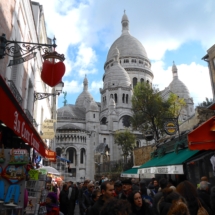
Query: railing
x=15 y=92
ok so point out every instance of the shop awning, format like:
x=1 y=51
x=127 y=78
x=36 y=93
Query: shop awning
x=63 y=159
x=170 y=163
x=13 y=116
x=203 y=137
x=131 y=173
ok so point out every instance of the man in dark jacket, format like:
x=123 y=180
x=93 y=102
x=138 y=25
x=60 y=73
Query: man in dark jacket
x=72 y=197
x=203 y=192
x=80 y=197
x=107 y=191
x=63 y=199
x=163 y=184
x=127 y=189
x=87 y=200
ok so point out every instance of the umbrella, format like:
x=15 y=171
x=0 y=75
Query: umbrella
x=50 y=169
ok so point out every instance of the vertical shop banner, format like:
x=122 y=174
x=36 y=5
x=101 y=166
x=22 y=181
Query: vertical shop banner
x=13 y=116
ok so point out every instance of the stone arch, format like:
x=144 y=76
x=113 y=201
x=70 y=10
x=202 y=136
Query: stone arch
x=103 y=121
x=134 y=82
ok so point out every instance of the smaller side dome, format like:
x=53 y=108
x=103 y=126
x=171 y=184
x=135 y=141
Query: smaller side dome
x=93 y=106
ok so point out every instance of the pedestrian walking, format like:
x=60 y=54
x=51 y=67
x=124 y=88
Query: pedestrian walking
x=63 y=199
x=87 y=200
x=72 y=197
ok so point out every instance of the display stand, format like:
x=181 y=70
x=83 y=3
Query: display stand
x=12 y=181
x=36 y=193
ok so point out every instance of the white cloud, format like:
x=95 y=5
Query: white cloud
x=95 y=85
x=72 y=87
x=194 y=76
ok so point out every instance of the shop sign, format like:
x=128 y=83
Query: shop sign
x=130 y=175
x=170 y=127
x=147 y=175
x=22 y=129
x=22 y=59
x=175 y=169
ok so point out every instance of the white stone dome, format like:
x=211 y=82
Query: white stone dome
x=85 y=96
x=128 y=46
x=116 y=76
x=177 y=86
x=93 y=106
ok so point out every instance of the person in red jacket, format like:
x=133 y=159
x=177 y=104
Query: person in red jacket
x=51 y=204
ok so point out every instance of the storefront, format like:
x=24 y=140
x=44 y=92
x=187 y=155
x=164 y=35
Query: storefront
x=131 y=173
x=171 y=165
x=13 y=120
x=203 y=138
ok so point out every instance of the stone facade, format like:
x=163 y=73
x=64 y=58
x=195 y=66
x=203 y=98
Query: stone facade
x=127 y=64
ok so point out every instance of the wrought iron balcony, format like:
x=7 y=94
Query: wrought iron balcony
x=15 y=92
x=28 y=114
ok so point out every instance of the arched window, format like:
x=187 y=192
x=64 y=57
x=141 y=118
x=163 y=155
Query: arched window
x=82 y=156
x=115 y=97
x=134 y=82
x=58 y=151
x=147 y=81
x=140 y=62
x=126 y=60
x=126 y=121
x=104 y=121
x=123 y=98
x=71 y=153
x=137 y=144
x=111 y=95
x=126 y=98
x=141 y=80
x=133 y=61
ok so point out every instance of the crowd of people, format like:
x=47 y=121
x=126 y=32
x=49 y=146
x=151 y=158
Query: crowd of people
x=134 y=197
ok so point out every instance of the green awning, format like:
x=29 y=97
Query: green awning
x=131 y=173
x=170 y=159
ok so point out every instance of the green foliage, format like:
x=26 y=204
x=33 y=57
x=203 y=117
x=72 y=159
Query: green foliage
x=176 y=104
x=126 y=140
x=206 y=103
x=150 y=110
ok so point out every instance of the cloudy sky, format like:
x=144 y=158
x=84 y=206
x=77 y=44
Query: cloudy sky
x=180 y=31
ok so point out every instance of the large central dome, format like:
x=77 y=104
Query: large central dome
x=127 y=45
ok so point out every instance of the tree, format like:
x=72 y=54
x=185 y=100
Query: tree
x=150 y=110
x=126 y=140
x=176 y=105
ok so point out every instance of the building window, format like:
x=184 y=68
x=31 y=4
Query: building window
x=111 y=95
x=126 y=98
x=126 y=60
x=140 y=62
x=137 y=144
x=94 y=115
x=104 y=121
x=141 y=80
x=147 y=81
x=82 y=156
x=133 y=61
x=104 y=140
x=71 y=155
x=115 y=97
x=123 y=98
x=134 y=82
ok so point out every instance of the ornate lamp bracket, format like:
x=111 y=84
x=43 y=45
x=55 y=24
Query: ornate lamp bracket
x=40 y=96
x=22 y=49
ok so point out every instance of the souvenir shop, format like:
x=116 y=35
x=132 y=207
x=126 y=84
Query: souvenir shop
x=22 y=187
